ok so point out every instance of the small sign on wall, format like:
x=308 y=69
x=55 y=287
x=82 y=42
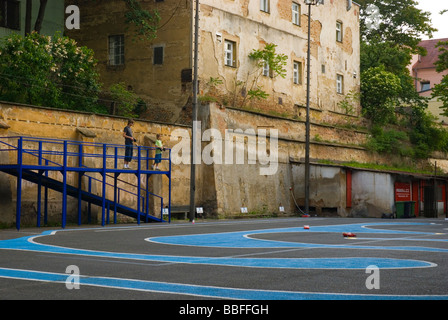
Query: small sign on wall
x=402 y=191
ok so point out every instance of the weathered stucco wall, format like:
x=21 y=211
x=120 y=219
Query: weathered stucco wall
x=262 y=182
x=373 y=193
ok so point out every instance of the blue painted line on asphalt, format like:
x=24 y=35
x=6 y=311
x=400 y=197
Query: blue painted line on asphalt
x=242 y=239
x=198 y=290
x=235 y=240
x=27 y=244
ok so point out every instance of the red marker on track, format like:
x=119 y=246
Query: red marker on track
x=349 y=234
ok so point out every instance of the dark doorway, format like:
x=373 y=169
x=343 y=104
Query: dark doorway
x=429 y=205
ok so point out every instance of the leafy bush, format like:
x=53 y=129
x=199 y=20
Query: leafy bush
x=48 y=71
x=388 y=141
x=427 y=136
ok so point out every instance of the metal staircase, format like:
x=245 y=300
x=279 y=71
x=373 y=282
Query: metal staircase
x=70 y=167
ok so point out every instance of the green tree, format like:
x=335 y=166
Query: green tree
x=390 y=34
x=396 y=21
x=144 y=21
x=427 y=136
x=380 y=92
x=48 y=71
x=387 y=141
x=124 y=101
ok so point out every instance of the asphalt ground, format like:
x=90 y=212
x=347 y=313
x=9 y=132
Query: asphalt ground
x=220 y=260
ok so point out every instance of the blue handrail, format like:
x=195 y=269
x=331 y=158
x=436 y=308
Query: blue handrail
x=46 y=154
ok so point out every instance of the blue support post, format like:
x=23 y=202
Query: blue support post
x=147 y=184
x=39 y=186
x=46 y=197
x=80 y=174
x=103 y=207
x=115 y=197
x=147 y=197
x=115 y=184
x=169 y=186
x=64 y=187
x=138 y=184
x=19 y=182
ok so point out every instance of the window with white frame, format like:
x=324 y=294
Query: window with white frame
x=116 y=50
x=296 y=13
x=264 y=5
x=297 y=72
x=339 y=31
x=339 y=84
x=230 y=53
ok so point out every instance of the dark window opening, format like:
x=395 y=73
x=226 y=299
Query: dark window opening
x=158 y=55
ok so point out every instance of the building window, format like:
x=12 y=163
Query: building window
x=158 y=55
x=296 y=13
x=116 y=50
x=339 y=84
x=266 y=69
x=10 y=14
x=230 y=53
x=339 y=31
x=425 y=86
x=264 y=5
x=297 y=73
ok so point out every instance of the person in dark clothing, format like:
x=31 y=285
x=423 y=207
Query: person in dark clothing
x=129 y=142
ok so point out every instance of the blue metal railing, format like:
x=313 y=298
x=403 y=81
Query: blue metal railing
x=45 y=155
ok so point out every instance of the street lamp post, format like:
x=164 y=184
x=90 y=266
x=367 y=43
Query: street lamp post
x=194 y=143
x=309 y=3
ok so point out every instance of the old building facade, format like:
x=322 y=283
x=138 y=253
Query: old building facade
x=423 y=70
x=160 y=70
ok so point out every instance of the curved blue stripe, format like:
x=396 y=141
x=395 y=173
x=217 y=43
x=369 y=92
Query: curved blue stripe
x=293 y=263
x=241 y=239
x=236 y=240
x=204 y=291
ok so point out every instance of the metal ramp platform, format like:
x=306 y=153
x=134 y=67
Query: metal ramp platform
x=69 y=167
